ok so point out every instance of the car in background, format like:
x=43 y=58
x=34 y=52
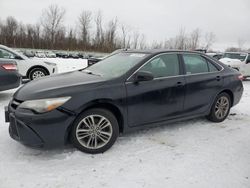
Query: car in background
x=215 y=55
x=125 y=92
x=73 y=55
x=93 y=60
x=29 y=54
x=9 y=76
x=61 y=54
x=28 y=68
x=239 y=61
x=40 y=54
x=82 y=55
x=50 y=54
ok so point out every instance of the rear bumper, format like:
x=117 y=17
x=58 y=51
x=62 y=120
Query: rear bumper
x=238 y=94
x=46 y=130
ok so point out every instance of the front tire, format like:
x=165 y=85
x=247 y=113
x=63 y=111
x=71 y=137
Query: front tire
x=94 y=131
x=220 y=108
x=37 y=73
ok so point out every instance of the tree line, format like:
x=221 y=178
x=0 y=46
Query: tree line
x=90 y=34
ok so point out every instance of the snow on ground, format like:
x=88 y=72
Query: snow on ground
x=67 y=64
x=194 y=153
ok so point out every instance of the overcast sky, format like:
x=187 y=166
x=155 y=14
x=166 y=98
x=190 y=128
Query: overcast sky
x=229 y=20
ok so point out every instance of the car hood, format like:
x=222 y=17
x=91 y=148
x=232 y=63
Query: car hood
x=229 y=61
x=59 y=85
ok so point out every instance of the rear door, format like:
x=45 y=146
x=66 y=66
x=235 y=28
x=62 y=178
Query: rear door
x=203 y=82
x=158 y=99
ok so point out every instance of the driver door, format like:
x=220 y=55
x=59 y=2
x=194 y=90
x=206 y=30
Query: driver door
x=159 y=99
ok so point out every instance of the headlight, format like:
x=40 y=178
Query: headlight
x=44 y=105
x=49 y=63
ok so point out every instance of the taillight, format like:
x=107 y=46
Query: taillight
x=241 y=77
x=10 y=67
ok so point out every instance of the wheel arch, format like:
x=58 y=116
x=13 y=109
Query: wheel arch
x=35 y=67
x=230 y=93
x=104 y=104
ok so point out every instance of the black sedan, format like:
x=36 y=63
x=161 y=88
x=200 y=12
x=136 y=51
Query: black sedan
x=127 y=91
x=9 y=76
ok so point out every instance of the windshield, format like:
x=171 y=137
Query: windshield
x=115 y=65
x=239 y=56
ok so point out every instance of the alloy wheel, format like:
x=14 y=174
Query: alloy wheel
x=38 y=74
x=222 y=107
x=94 y=131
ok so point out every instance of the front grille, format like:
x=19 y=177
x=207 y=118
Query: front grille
x=15 y=103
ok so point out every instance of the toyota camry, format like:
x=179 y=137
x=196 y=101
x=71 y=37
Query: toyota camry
x=127 y=91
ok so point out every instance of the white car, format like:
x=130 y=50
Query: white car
x=40 y=54
x=28 y=68
x=239 y=61
x=50 y=54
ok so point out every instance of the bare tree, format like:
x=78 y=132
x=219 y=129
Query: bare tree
x=156 y=45
x=99 y=37
x=53 y=34
x=209 y=39
x=30 y=35
x=142 y=42
x=135 y=43
x=9 y=31
x=195 y=39
x=71 y=39
x=110 y=34
x=170 y=43
x=52 y=19
x=37 y=33
x=181 y=40
x=126 y=37
x=85 y=24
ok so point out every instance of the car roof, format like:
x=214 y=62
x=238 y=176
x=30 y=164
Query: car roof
x=157 y=51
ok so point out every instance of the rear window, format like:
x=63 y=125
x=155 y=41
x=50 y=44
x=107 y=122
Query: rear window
x=197 y=64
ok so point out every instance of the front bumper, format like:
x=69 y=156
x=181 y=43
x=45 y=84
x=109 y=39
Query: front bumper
x=46 y=130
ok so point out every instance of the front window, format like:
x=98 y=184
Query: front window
x=239 y=56
x=116 y=65
x=163 y=66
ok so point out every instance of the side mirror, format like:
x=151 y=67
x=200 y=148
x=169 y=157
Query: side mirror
x=18 y=57
x=143 y=76
x=248 y=61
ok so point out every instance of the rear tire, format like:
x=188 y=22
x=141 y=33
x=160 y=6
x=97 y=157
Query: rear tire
x=220 y=108
x=94 y=131
x=37 y=73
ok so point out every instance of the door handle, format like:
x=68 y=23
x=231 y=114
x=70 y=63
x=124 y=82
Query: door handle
x=180 y=84
x=218 y=78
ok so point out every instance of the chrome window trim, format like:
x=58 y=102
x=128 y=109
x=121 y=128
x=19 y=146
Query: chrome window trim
x=177 y=53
